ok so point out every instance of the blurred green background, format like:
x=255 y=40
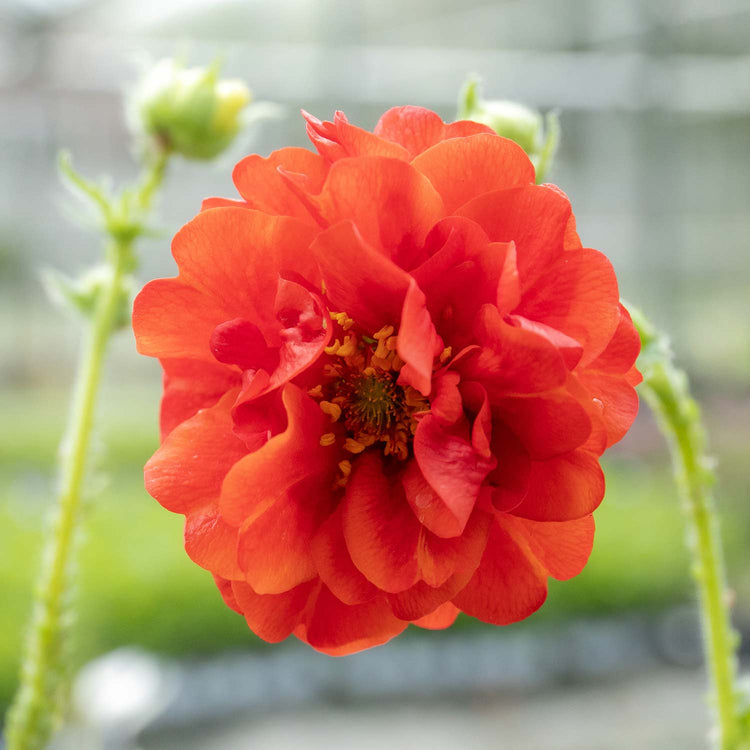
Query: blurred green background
x=655 y=102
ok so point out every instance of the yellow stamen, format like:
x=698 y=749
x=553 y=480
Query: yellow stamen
x=382 y=351
x=383 y=333
x=446 y=354
x=381 y=363
x=351 y=445
x=333 y=348
x=345 y=467
x=328 y=439
x=348 y=348
x=343 y=320
x=331 y=409
x=316 y=392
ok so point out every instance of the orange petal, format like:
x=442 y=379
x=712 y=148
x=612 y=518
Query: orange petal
x=451 y=465
x=418 y=342
x=443 y=617
x=230 y=260
x=461 y=169
x=267 y=475
x=272 y=617
x=563 y=549
x=392 y=205
x=359 y=280
x=577 y=295
x=534 y=217
x=414 y=128
x=340 y=139
x=548 y=424
x=563 y=488
x=335 y=566
x=512 y=359
x=190 y=385
x=271 y=567
x=617 y=400
x=259 y=182
x=338 y=629
x=187 y=471
x=211 y=542
x=381 y=532
x=507 y=586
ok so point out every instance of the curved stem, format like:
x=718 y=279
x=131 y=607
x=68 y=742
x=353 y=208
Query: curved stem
x=666 y=390
x=44 y=678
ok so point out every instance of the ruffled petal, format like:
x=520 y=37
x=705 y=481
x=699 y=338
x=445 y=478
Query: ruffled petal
x=548 y=424
x=452 y=466
x=577 y=295
x=338 y=629
x=392 y=204
x=508 y=585
x=359 y=280
x=190 y=385
x=260 y=183
x=272 y=617
x=230 y=260
x=418 y=342
x=334 y=564
x=222 y=203
x=382 y=534
x=461 y=169
x=414 y=128
x=563 y=549
x=211 y=542
x=443 y=617
x=462 y=128
x=617 y=402
x=534 y=217
x=271 y=567
x=225 y=589
x=563 y=488
x=187 y=471
x=512 y=359
x=255 y=482
x=622 y=350
x=422 y=599
x=340 y=139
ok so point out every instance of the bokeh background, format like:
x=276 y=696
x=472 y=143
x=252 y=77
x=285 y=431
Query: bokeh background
x=655 y=155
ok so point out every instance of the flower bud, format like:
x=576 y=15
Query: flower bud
x=512 y=120
x=189 y=110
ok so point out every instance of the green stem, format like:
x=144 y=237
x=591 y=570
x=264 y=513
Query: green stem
x=44 y=677
x=666 y=390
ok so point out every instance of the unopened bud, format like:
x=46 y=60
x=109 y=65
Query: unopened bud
x=189 y=110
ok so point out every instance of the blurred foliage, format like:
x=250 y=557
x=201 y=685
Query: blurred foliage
x=138 y=586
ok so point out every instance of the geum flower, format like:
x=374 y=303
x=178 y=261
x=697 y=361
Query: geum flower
x=389 y=372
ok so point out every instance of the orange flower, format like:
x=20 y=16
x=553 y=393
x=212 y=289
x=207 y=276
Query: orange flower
x=389 y=372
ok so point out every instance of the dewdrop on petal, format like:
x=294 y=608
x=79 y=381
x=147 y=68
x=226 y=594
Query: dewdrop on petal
x=189 y=110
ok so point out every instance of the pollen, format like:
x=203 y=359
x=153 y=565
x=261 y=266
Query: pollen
x=353 y=446
x=333 y=410
x=361 y=392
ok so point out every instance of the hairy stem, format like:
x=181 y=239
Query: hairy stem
x=45 y=672
x=666 y=390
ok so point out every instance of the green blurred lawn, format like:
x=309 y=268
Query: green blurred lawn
x=137 y=586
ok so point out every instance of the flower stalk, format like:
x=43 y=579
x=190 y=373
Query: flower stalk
x=666 y=390
x=44 y=677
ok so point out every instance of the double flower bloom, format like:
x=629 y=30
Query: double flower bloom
x=390 y=370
